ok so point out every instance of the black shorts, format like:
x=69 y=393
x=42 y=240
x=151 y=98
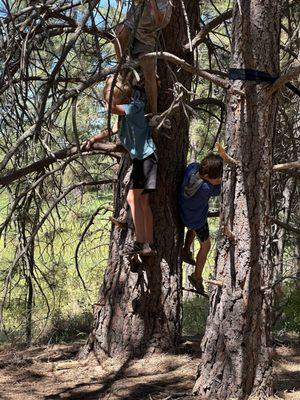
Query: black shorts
x=144 y=172
x=203 y=232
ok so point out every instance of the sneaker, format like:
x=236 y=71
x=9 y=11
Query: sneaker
x=131 y=249
x=197 y=283
x=187 y=257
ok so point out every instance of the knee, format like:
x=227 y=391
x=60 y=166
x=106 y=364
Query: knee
x=132 y=198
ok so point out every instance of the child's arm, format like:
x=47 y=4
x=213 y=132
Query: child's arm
x=100 y=136
x=117 y=109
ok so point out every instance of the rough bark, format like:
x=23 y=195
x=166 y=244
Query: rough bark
x=140 y=312
x=237 y=348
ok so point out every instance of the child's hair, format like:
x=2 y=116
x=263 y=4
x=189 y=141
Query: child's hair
x=122 y=89
x=212 y=165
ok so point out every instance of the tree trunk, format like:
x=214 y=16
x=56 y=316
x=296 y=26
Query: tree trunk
x=237 y=348
x=140 y=312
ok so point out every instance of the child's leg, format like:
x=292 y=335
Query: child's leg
x=189 y=238
x=149 y=69
x=148 y=218
x=201 y=258
x=121 y=40
x=134 y=199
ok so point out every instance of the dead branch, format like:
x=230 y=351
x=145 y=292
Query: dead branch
x=286 y=166
x=224 y=83
x=285 y=78
x=226 y=158
x=101 y=148
x=218 y=283
x=286 y=226
x=120 y=224
x=200 y=37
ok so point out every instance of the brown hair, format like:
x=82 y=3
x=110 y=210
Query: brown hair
x=212 y=165
x=122 y=89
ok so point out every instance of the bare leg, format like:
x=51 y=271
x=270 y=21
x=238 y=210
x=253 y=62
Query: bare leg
x=134 y=199
x=121 y=41
x=148 y=218
x=149 y=70
x=189 y=238
x=201 y=258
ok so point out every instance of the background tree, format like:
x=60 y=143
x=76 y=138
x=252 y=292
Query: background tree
x=237 y=346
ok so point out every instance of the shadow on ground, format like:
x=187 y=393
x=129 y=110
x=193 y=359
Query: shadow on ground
x=52 y=372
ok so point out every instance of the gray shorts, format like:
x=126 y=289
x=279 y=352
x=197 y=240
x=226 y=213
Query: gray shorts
x=140 y=48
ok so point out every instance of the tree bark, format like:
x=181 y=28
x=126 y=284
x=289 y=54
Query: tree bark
x=237 y=348
x=139 y=312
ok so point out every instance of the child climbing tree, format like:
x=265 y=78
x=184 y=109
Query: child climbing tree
x=140 y=311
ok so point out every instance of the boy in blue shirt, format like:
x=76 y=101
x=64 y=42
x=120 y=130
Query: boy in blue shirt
x=200 y=182
x=135 y=135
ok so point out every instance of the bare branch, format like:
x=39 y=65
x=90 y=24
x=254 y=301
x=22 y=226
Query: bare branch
x=287 y=77
x=106 y=148
x=288 y=227
x=224 y=83
x=200 y=37
x=286 y=166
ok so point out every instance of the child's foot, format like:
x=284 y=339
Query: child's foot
x=197 y=283
x=187 y=256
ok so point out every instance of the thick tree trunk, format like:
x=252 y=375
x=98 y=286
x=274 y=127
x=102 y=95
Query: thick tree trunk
x=237 y=348
x=140 y=312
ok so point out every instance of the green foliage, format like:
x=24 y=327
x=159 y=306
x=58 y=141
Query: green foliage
x=289 y=320
x=194 y=314
x=68 y=327
x=59 y=294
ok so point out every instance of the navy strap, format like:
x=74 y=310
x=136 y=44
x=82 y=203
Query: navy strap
x=241 y=74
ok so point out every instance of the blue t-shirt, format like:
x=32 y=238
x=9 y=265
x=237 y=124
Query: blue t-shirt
x=194 y=196
x=135 y=132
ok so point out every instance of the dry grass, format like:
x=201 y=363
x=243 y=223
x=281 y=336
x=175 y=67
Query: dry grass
x=52 y=372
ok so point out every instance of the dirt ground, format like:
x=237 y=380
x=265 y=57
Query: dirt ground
x=52 y=372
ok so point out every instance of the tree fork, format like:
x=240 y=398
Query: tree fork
x=237 y=348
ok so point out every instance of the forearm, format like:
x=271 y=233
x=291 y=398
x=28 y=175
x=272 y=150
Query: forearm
x=105 y=133
x=101 y=135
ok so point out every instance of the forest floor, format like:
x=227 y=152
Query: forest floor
x=52 y=372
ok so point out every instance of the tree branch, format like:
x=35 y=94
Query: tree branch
x=107 y=148
x=285 y=226
x=287 y=77
x=286 y=166
x=224 y=83
x=200 y=37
